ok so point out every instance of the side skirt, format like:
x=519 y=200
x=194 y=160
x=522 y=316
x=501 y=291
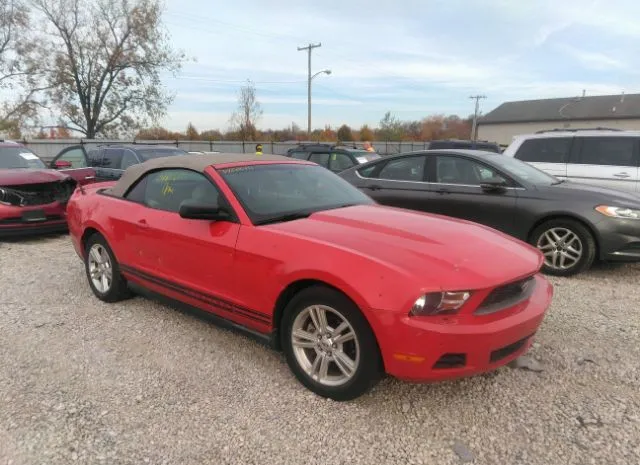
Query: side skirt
x=268 y=339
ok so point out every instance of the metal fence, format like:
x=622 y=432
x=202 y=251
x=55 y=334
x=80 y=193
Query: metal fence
x=47 y=149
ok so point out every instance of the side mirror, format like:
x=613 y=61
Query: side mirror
x=497 y=185
x=62 y=164
x=196 y=211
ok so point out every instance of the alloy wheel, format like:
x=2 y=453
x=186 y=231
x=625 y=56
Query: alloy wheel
x=562 y=248
x=325 y=345
x=100 y=268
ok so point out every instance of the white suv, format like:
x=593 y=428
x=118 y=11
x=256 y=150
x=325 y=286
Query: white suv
x=601 y=157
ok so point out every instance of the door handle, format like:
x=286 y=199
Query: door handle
x=374 y=188
x=622 y=175
x=443 y=191
x=89 y=178
x=143 y=224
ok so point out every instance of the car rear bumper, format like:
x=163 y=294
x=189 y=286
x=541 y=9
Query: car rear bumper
x=619 y=240
x=420 y=350
x=13 y=221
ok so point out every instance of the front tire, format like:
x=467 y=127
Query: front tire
x=568 y=246
x=329 y=344
x=103 y=271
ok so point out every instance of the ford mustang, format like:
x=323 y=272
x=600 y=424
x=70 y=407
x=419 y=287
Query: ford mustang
x=349 y=290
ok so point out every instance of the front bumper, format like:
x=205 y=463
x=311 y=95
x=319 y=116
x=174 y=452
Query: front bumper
x=417 y=349
x=619 y=240
x=13 y=223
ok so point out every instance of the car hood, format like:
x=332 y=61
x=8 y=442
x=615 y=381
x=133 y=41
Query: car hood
x=437 y=250
x=22 y=176
x=576 y=190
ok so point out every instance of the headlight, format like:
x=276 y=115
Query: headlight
x=619 y=212
x=439 y=303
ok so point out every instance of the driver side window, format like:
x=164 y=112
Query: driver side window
x=167 y=189
x=455 y=170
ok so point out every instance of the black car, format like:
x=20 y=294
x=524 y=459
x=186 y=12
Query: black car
x=457 y=144
x=333 y=157
x=110 y=161
x=572 y=224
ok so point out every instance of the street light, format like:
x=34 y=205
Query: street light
x=324 y=71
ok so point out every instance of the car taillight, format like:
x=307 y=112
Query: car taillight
x=439 y=303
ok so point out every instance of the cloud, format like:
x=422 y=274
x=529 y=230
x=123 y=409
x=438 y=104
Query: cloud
x=423 y=58
x=207 y=98
x=592 y=60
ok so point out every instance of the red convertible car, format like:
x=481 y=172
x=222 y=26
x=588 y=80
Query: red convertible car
x=32 y=197
x=348 y=289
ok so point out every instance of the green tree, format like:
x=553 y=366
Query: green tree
x=192 y=132
x=366 y=133
x=344 y=133
x=104 y=59
x=211 y=134
x=10 y=129
x=390 y=128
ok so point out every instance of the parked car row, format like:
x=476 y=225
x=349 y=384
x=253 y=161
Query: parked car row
x=338 y=158
x=347 y=274
x=109 y=161
x=572 y=224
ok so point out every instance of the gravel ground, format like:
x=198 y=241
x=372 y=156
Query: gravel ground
x=139 y=382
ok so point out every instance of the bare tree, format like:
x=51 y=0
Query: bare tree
x=249 y=112
x=105 y=58
x=19 y=85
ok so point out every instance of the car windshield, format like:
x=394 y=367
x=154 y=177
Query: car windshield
x=19 y=157
x=524 y=171
x=148 y=154
x=280 y=192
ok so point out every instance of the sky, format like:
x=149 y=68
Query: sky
x=412 y=57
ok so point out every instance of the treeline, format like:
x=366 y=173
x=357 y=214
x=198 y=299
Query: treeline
x=390 y=128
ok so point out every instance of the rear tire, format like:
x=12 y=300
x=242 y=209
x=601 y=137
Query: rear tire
x=568 y=246
x=103 y=271
x=329 y=344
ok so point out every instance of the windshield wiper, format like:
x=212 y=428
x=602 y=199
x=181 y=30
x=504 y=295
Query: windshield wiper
x=283 y=218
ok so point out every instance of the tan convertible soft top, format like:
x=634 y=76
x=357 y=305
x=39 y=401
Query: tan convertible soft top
x=195 y=162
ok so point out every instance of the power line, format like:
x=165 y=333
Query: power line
x=366 y=67
x=244 y=30
x=231 y=81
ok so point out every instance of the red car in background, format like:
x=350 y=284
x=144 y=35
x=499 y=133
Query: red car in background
x=33 y=198
x=287 y=250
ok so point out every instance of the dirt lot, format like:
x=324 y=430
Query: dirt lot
x=139 y=382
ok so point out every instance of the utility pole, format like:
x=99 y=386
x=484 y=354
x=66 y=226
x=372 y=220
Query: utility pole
x=474 y=127
x=309 y=48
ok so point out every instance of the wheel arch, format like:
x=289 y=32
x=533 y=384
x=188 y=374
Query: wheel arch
x=297 y=286
x=86 y=234
x=566 y=216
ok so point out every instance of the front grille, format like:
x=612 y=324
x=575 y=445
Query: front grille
x=507 y=296
x=19 y=220
x=38 y=194
x=451 y=361
x=504 y=352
